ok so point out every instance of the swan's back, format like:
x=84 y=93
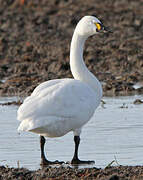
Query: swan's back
x=58 y=106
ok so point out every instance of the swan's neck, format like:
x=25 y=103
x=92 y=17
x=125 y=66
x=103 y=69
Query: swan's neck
x=78 y=67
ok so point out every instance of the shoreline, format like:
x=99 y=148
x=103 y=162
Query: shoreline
x=61 y=172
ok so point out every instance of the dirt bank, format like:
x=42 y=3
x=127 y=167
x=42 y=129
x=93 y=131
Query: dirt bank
x=49 y=173
x=35 y=39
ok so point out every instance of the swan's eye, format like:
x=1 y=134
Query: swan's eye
x=98 y=26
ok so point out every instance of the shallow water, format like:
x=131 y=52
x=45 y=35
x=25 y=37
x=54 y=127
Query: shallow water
x=115 y=131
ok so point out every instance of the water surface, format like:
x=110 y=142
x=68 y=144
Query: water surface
x=115 y=131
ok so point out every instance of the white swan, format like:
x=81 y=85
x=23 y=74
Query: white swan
x=59 y=106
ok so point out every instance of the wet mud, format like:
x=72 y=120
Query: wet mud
x=58 y=173
x=35 y=41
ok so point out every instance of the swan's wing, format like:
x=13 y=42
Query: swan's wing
x=38 y=90
x=46 y=85
x=68 y=101
x=31 y=104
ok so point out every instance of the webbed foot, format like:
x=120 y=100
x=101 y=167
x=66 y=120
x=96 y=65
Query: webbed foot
x=77 y=161
x=45 y=162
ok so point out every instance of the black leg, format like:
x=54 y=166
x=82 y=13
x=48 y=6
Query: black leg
x=44 y=161
x=75 y=159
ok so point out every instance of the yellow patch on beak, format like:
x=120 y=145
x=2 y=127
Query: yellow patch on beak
x=98 y=26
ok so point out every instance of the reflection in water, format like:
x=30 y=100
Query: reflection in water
x=115 y=130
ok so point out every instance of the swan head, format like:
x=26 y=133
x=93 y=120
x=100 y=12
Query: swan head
x=90 y=25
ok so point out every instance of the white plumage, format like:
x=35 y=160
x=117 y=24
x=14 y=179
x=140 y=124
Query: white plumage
x=58 y=106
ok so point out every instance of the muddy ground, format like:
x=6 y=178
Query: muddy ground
x=35 y=39
x=68 y=173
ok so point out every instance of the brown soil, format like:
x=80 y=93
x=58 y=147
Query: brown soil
x=68 y=173
x=35 y=39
